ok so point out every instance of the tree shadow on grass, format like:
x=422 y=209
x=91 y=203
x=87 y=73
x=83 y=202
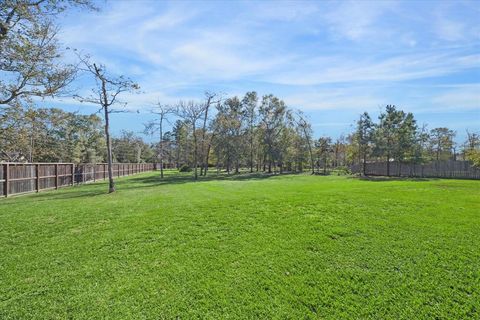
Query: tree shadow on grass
x=47 y=195
x=386 y=178
x=138 y=182
x=171 y=179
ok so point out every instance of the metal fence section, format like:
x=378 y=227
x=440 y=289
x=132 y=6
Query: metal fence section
x=436 y=169
x=22 y=178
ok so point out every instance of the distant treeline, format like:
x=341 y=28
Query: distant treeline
x=53 y=135
x=259 y=134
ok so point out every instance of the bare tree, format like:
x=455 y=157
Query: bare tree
x=105 y=95
x=306 y=128
x=209 y=100
x=156 y=126
x=192 y=112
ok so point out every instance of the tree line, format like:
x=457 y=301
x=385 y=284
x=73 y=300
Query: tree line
x=397 y=137
x=54 y=135
x=263 y=134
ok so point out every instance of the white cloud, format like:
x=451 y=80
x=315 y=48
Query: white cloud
x=356 y=20
x=401 y=68
x=465 y=97
x=334 y=99
x=450 y=30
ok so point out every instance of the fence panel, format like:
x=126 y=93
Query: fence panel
x=20 y=178
x=2 y=179
x=436 y=169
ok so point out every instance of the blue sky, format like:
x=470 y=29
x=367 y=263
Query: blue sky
x=331 y=59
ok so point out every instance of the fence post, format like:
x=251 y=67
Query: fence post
x=56 y=175
x=37 y=180
x=73 y=174
x=6 y=174
x=104 y=173
x=94 y=174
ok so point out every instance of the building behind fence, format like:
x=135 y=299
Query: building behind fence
x=437 y=169
x=21 y=178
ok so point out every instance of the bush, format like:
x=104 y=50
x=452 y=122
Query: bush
x=341 y=171
x=474 y=157
x=185 y=168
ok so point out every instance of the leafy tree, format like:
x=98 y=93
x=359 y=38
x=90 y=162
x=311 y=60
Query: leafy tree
x=130 y=148
x=229 y=121
x=472 y=148
x=394 y=134
x=49 y=135
x=441 y=142
x=30 y=55
x=250 y=105
x=364 y=137
x=181 y=142
x=272 y=113
x=324 y=149
x=191 y=112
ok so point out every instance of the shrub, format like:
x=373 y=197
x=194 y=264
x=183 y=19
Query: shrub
x=342 y=171
x=185 y=168
x=474 y=157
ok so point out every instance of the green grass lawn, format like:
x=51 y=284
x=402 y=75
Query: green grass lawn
x=253 y=247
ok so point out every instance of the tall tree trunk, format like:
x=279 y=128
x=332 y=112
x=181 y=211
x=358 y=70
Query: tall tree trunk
x=195 y=151
x=388 y=165
x=206 y=159
x=228 y=164
x=364 y=164
x=111 y=183
x=251 y=147
x=204 y=129
x=310 y=151
x=161 y=146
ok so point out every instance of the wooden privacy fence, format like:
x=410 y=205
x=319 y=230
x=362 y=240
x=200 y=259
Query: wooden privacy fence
x=21 y=178
x=436 y=169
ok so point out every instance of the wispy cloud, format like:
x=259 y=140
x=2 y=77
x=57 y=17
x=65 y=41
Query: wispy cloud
x=316 y=55
x=356 y=20
x=465 y=97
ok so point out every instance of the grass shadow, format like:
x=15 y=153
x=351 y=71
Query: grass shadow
x=141 y=181
x=169 y=179
x=386 y=178
x=52 y=195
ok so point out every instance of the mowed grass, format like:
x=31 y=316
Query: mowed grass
x=258 y=247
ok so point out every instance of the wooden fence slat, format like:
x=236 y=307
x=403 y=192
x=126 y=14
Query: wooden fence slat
x=56 y=176
x=37 y=176
x=6 y=173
